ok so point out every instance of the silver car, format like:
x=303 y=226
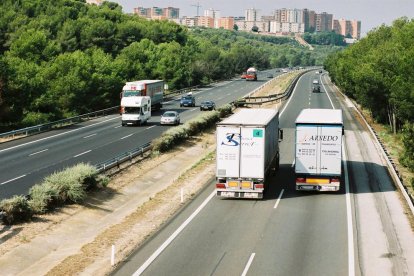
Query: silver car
x=170 y=118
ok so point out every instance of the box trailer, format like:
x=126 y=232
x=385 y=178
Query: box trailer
x=247 y=150
x=318 y=149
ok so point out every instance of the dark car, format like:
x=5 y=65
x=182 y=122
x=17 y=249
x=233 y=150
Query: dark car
x=316 y=89
x=207 y=105
x=187 y=100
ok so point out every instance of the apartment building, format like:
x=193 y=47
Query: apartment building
x=205 y=21
x=252 y=15
x=324 y=22
x=226 y=23
x=286 y=27
x=158 y=13
x=347 y=28
x=244 y=25
x=215 y=14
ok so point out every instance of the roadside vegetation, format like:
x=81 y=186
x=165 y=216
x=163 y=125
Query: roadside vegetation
x=63 y=58
x=378 y=73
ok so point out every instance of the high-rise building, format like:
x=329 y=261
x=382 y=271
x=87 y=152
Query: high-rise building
x=252 y=15
x=347 y=28
x=309 y=18
x=323 y=22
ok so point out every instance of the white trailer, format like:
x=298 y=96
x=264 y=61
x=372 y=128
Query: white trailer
x=247 y=150
x=318 y=149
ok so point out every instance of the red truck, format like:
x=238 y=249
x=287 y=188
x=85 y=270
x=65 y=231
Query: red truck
x=251 y=74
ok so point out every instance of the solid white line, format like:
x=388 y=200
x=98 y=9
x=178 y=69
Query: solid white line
x=150 y=127
x=173 y=236
x=90 y=135
x=293 y=163
x=326 y=91
x=28 y=143
x=249 y=263
x=117 y=126
x=127 y=136
x=193 y=109
x=5 y=182
x=82 y=153
x=278 y=199
x=351 y=257
x=38 y=152
x=291 y=96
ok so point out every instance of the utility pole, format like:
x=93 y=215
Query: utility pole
x=198 y=6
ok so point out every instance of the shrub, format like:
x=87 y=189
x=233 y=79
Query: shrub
x=15 y=209
x=407 y=157
x=40 y=198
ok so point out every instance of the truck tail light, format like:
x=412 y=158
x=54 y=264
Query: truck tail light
x=335 y=180
x=300 y=180
x=220 y=186
x=259 y=186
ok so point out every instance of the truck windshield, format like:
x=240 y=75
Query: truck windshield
x=131 y=93
x=132 y=110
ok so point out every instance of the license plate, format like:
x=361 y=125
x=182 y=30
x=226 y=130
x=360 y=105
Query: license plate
x=326 y=188
x=317 y=180
x=308 y=188
x=251 y=195
x=227 y=194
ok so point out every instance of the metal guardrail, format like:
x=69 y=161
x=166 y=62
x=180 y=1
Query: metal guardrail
x=119 y=159
x=258 y=100
x=45 y=127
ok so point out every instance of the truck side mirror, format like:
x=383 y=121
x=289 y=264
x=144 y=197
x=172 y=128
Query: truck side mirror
x=280 y=134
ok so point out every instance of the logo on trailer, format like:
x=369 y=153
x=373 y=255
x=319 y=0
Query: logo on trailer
x=233 y=139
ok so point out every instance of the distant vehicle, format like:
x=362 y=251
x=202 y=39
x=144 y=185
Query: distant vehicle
x=187 y=100
x=137 y=100
x=246 y=152
x=317 y=72
x=316 y=89
x=320 y=71
x=170 y=118
x=251 y=74
x=243 y=75
x=270 y=76
x=318 y=149
x=315 y=81
x=284 y=70
x=207 y=105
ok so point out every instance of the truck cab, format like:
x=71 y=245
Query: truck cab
x=135 y=110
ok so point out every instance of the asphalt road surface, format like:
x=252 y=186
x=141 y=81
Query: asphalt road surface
x=361 y=230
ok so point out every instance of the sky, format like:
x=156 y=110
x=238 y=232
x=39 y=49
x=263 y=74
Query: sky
x=371 y=13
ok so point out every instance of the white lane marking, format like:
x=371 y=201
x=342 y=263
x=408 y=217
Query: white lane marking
x=219 y=99
x=127 y=136
x=229 y=94
x=351 y=257
x=293 y=163
x=193 y=109
x=90 y=135
x=326 y=91
x=150 y=127
x=173 y=236
x=34 y=153
x=117 y=126
x=5 y=182
x=279 y=198
x=46 y=138
x=249 y=263
x=291 y=96
x=82 y=153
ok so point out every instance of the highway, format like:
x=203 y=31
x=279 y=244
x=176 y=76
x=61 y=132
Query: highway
x=27 y=161
x=361 y=230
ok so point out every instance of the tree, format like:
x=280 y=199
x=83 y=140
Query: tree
x=235 y=27
x=255 y=29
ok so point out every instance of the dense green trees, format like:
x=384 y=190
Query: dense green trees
x=60 y=58
x=324 y=38
x=378 y=72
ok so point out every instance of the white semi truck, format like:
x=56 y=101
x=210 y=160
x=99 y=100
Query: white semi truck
x=247 y=150
x=318 y=149
x=138 y=98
